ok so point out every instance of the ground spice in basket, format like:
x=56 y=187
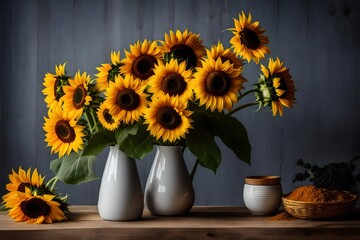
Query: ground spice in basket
x=312 y=194
x=316 y=194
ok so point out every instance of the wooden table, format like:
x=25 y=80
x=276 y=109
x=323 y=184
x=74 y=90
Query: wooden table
x=212 y=222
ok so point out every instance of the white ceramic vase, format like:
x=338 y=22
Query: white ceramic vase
x=120 y=195
x=169 y=191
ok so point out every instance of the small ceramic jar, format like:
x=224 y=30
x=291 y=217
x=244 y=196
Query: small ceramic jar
x=262 y=194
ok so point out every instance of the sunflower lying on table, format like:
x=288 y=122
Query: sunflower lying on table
x=32 y=200
x=174 y=93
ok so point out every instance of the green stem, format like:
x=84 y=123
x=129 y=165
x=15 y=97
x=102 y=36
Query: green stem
x=52 y=182
x=192 y=174
x=247 y=93
x=241 y=107
x=96 y=126
x=49 y=182
x=88 y=120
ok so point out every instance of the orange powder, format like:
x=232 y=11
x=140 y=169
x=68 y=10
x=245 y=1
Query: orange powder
x=315 y=194
x=283 y=216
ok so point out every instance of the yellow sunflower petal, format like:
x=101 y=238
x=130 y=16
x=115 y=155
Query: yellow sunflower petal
x=216 y=81
x=76 y=94
x=57 y=126
x=34 y=209
x=141 y=59
x=184 y=45
x=52 y=85
x=130 y=106
x=171 y=78
x=168 y=119
x=248 y=40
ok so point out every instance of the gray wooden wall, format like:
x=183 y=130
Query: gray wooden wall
x=318 y=40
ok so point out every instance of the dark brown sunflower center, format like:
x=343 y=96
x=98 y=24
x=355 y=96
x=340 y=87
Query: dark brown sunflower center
x=64 y=131
x=282 y=86
x=79 y=97
x=168 y=118
x=186 y=53
x=21 y=187
x=217 y=83
x=173 y=84
x=142 y=66
x=249 y=38
x=108 y=117
x=128 y=99
x=35 y=208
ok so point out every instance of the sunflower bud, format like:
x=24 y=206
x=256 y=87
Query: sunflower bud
x=263 y=95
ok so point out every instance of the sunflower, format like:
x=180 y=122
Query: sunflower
x=171 y=78
x=106 y=119
x=53 y=85
x=24 y=206
x=276 y=87
x=218 y=51
x=217 y=84
x=107 y=72
x=141 y=59
x=63 y=133
x=126 y=99
x=248 y=40
x=22 y=179
x=184 y=46
x=77 y=94
x=168 y=118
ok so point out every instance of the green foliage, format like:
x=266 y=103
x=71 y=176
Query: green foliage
x=78 y=167
x=74 y=168
x=202 y=144
x=135 y=141
x=98 y=142
x=233 y=134
x=201 y=140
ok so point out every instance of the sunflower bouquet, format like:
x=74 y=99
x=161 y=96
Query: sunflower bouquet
x=173 y=91
x=30 y=199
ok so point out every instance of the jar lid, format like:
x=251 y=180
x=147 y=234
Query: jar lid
x=262 y=180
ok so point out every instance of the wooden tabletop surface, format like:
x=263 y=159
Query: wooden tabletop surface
x=203 y=222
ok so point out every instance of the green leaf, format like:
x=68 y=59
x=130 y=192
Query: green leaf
x=74 y=168
x=98 y=142
x=233 y=134
x=202 y=144
x=135 y=141
x=122 y=133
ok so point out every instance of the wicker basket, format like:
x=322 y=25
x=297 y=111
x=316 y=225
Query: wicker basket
x=314 y=210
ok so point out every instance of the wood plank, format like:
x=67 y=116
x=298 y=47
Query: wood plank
x=214 y=222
